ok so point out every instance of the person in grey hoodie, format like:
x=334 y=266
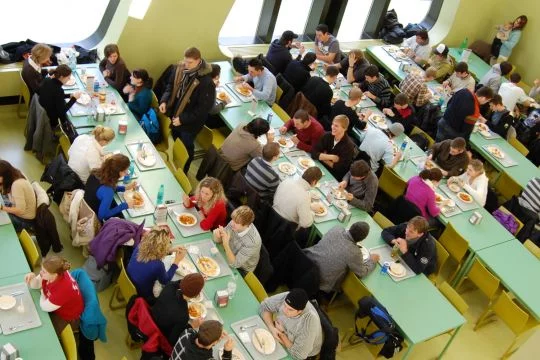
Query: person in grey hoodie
x=494 y=76
x=361 y=184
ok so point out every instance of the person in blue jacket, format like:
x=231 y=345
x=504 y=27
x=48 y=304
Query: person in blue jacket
x=101 y=185
x=502 y=49
x=139 y=91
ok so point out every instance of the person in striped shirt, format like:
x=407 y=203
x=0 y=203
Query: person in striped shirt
x=377 y=88
x=240 y=239
x=260 y=174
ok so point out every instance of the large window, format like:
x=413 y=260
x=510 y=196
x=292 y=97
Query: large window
x=354 y=19
x=292 y=15
x=51 y=21
x=242 y=20
x=410 y=11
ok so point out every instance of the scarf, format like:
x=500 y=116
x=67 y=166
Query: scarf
x=187 y=78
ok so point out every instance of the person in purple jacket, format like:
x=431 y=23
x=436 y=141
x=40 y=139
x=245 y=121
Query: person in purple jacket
x=146 y=265
x=421 y=192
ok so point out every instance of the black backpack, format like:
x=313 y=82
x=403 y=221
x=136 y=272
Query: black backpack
x=387 y=333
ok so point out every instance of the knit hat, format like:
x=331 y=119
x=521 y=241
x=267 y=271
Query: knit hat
x=359 y=231
x=209 y=332
x=440 y=49
x=288 y=35
x=297 y=299
x=191 y=285
x=396 y=129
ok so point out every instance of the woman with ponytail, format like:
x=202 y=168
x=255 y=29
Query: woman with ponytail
x=51 y=95
x=86 y=152
x=139 y=91
x=421 y=192
x=60 y=294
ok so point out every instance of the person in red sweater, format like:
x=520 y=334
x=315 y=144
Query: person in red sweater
x=307 y=130
x=401 y=112
x=60 y=294
x=210 y=200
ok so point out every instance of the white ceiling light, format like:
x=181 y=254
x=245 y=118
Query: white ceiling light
x=138 y=8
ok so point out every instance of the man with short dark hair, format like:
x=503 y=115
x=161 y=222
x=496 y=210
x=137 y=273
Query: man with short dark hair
x=377 y=88
x=401 y=112
x=512 y=94
x=294 y=322
x=415 y=86
x=326 y=45
x=460 y=79
x=197 y=345
x=462 y=112
x=441 y=61
x=279 y=54
x=264 y=82
x=417 y=47
x=260 y=174
x=500 y=118
x=307 y=130
x=378 y=146
x=493 y=78
x=298 y=72
x=361 y=184
x=416 y=245
x=293 y=201
x=339 y=251
x=318 y=91
x=451 y=156
x=188 y=97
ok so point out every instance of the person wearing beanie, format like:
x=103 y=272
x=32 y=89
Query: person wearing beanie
x=339 y=251
x=197 y=345
x=297 y=325
x=170 y=311
x=376 y=145
x=416 y=245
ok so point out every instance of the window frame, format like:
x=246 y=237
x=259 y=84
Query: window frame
x=97 y=36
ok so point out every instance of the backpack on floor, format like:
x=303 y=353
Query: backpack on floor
x=386 y=334
x=150 y=124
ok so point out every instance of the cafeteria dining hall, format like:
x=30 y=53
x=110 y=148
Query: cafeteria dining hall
x=269 y=179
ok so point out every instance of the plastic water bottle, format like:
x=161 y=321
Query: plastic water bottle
x=160 y=194
x=404 y=146
x=385 y=267
x=130 y=173
x=269 y=118
x=463 y=45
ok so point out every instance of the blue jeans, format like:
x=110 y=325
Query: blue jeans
x=19 y=223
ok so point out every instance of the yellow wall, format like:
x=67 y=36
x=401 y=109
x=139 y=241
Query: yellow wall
x=476 y=20
x=170 y=27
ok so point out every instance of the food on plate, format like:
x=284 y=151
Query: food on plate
x=454 y=187
x=287 y=168
x=282 y=141
x=377 y=118
x=340 y=194
x=7 y=302
x=222 y=95
x=84 y=99
x=138 y=199
x=146 y=156
x=196 y=310
x=438 y=198
x=71 y=81
x=243 y=90
x=306 y=162
x=263 y=341
x=342 y=204
x=397 y=270
x=185 y=267
x=208 y=266
x=466 y=198
x=482 y=127
x=187 y=219
x=495 y=151
x=429 y=164
x=318 y=208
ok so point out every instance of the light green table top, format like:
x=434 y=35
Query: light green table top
x=39 y=343
x=388 y=62
x=477 y=66
x=518 y=270
x=418 y=308
x=521 y=173
x=12 y=258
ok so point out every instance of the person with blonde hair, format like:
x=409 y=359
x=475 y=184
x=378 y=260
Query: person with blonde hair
x=210 y=201
x=240 y=239
x=60 y=294
x=474 y=181
x=86 y=153
x=32 y=70
x=335 y=148
x=354 y=66
x=348 y=108
x=114 y=68
x=102 y=183
x=146 y=265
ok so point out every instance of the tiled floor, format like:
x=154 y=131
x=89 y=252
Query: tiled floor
x=487 y=343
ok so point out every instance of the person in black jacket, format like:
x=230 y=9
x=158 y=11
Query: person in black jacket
x=318 y=91
x=32 y=71
x=197 y=345
x=51 y=95
x=402 y=112
x=298 y=72
x=279 y=51
x=416 y=245
x=377 y=88
x=170 y=311
x=188 y=97
x=335 y=149
x=500 y=118
x=348 y=108
x=354 y=66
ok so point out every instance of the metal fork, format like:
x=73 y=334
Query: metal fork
x=245 y=327
x=11 y=328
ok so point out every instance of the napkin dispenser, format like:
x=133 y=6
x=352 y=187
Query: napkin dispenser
x=160 y=215
x=9 y=352
x=100 y=114
x=475 y=218
x=221 y=298
x=344 y=215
